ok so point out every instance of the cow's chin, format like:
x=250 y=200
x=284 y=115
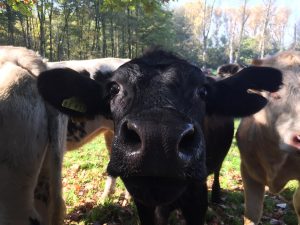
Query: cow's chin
x=290 y=149
x=153 y=191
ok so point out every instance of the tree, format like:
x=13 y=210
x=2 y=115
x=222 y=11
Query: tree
x=244 y=17
x=268 y=9
x=199 y=14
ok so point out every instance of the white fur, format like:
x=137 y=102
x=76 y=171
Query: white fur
x=32 y=140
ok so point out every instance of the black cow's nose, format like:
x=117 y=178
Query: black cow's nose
x=143 y=137
x=186 y=141
x=131 y=135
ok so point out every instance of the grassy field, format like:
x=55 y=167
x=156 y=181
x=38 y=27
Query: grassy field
x=84 y=178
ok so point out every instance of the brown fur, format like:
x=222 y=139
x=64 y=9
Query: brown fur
x=264 y=162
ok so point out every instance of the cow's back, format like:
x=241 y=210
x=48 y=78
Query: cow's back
x=21 y=107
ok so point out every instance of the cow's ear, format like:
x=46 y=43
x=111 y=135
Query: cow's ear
x=238 y=95
x=72 y=93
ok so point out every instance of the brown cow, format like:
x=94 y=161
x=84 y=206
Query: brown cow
x=269 y=141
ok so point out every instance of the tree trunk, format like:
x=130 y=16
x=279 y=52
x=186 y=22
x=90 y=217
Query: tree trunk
x=129 y=34
x=104 y=44
x=243 y=22
x=231 y=50
x=10 y=24
x=206 y=25
x=23 y=27
x=50 y=32
x=123 y=42
x=41 y=16
x=28 y=33
x=96 y=39
x=112 y=34
x=265 y=26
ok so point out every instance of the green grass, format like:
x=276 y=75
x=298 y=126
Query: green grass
x=84 y=177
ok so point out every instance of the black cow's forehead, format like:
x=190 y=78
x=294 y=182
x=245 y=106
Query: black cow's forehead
x=159 y=66
x=169 y=82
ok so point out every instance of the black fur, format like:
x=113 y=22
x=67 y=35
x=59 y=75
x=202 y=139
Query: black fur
x=57 y=85
x=227 y=70
x=76 y=130
x=34 y=222
x=228 y=96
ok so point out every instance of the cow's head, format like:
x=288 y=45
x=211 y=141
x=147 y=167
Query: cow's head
x=158 y=103
x=282 y=114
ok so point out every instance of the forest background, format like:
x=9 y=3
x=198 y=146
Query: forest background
x=208 y=33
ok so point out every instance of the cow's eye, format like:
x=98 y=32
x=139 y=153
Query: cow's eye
x=201 y=92
x=114 y=90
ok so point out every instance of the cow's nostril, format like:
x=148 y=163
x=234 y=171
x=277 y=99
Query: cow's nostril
x=131 y=136
x=295 y=141
x=186 y=141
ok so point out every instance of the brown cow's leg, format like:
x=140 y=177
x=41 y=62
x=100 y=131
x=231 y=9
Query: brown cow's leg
x=110 y=182
x=254 y=197
x=108 y=137
x=296 y=202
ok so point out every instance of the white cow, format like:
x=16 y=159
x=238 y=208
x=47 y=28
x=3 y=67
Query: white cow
x=32 y=140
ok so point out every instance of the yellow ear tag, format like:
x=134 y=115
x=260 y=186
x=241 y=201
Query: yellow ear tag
x=74 y=104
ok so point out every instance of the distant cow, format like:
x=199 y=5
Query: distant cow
x=269 y=141
x=158 y=103
x=219 y=130
x=227 y=70
x=32 y=139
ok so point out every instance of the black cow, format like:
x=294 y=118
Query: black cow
x=227 y=70
x=218 y=131
x=159 y=103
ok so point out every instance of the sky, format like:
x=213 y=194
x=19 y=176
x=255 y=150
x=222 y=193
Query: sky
x=293 y=5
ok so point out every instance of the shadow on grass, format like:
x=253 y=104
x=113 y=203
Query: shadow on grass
x=109 y=213
x=230 y=211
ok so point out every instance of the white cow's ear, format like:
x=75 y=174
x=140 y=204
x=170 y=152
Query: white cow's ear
x=72 y=93
x=231 y=96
